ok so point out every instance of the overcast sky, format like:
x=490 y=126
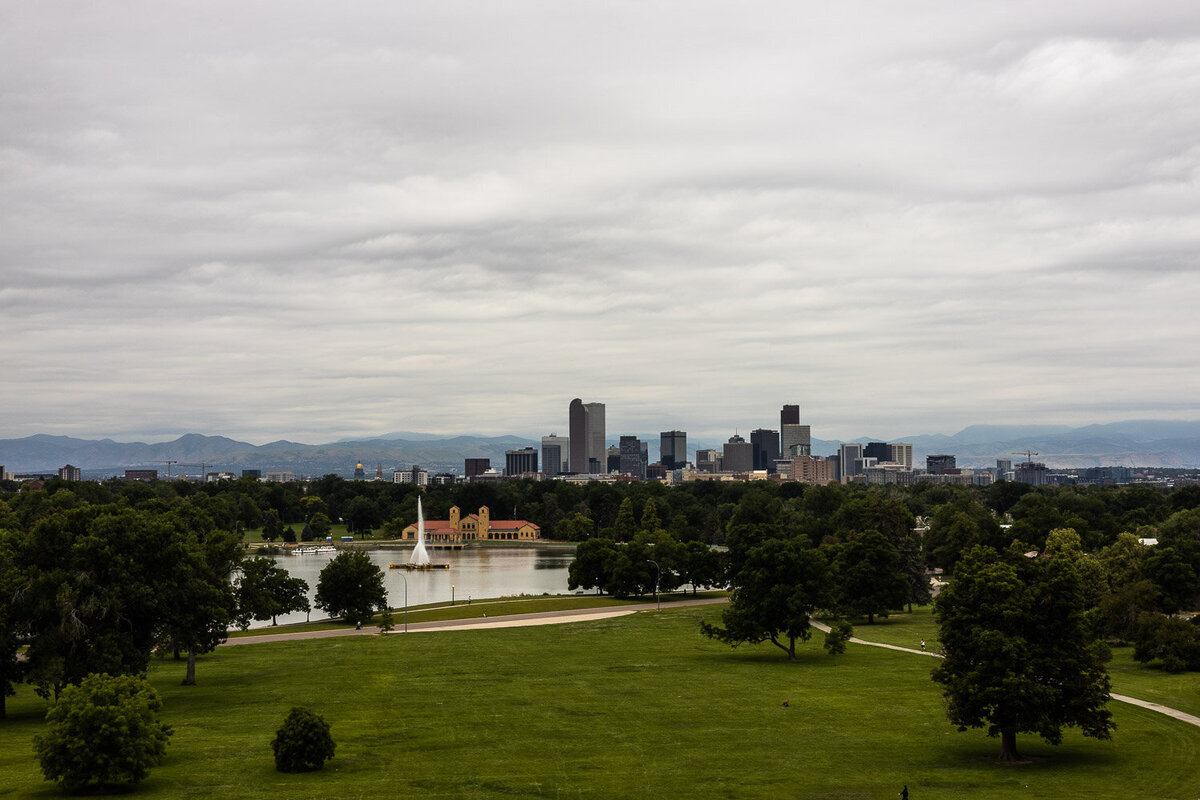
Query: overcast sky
x=318 y=220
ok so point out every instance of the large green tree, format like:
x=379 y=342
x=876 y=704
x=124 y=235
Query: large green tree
x=199 y=602
x=1020 y=657
x=265 y=590
x=351 y=587
x=776 y=590
x=869 y=575
x=12 y=626
x=591 y=567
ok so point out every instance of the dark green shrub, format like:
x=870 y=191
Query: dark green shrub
x=1175 y=641
x=102 y=733
x=303 y=743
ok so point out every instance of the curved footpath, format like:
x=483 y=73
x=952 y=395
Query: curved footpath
x=1175 y=713
x=477 y=623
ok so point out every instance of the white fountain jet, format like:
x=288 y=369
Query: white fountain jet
x=419 y=555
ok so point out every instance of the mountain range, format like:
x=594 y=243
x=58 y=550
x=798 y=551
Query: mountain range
x=1141 y=443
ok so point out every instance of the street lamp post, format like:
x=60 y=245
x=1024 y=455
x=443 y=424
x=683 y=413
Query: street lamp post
x=657 y=580
x=405 y=601
x=452 y=594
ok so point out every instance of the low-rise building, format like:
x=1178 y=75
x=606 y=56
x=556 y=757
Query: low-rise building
x=474 y=527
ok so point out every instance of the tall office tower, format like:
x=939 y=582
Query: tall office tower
x=520 y=462
x=672 y=447
x=901 y=453
x=708 y=461
x=835 y=467
x=939 y=464
x=789 y=415
x=848 y=457
x=738 y=455
x=556 y=454
x=876 y=450
x=765 y=445
x=588 y=454
x=476 y=466
x=612 y=459
x=577 y=434
x=631 y=462
x=1003 y=468
x=796 y=440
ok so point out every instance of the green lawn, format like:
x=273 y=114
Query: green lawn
x=633 y=707
x=494 y=607
x=903 y=629
x=1180 y=691
x=254 y=535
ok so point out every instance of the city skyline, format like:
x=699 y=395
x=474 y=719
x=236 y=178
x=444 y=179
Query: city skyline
x=317 y=224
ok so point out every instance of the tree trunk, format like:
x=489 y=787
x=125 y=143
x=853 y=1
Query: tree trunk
x=273 y=622
x=190 y=678
x=870 y=617
x=1008 y=746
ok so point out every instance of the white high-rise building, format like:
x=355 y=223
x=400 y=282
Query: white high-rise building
x=901 y=453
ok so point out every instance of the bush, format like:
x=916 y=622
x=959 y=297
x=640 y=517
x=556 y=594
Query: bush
x=303 y=743
x=1175 y=641
x=102 y=733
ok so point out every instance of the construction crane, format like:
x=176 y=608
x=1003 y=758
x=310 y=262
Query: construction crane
x=1029 y=454
x=168 y=463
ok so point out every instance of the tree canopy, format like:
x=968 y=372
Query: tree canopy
x=351 y=587
x=1019 y=654
x=777 y=589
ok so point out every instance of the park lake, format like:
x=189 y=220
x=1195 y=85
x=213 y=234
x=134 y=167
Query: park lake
x=474 y=572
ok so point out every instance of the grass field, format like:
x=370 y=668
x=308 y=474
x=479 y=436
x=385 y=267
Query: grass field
x=634 y=707
x=1128 y=676
x=495 y=607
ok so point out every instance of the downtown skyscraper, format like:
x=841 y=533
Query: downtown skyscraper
x=588 y=451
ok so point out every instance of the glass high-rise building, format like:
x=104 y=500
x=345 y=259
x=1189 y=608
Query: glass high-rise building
x=556 y=454
x=672 y=449
x=766 y=448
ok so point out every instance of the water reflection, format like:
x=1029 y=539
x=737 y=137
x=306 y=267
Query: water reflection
x=475 y=572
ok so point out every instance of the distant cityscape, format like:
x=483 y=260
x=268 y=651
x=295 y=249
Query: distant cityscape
x=782 y=453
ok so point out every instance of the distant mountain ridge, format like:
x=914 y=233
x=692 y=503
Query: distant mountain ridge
x=45 y=453
x=1142 y=443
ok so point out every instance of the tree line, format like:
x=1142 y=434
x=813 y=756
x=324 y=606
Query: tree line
x=99 y=588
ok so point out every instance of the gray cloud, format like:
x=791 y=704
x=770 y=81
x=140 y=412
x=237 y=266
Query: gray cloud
x=271 y=220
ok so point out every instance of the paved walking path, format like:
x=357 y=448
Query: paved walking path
x=477 y=623
x=1175 y=713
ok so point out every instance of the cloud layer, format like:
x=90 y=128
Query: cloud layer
x=292 y=219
